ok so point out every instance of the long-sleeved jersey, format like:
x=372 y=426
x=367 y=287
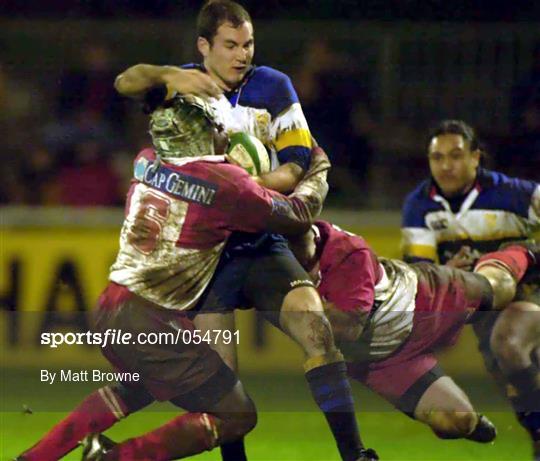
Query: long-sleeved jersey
x=380 y=291
x=179 y=217
x=266 y=105
x=497 y=209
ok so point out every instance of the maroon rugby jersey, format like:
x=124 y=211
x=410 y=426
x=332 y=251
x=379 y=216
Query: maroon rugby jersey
x=352 y=279
x=349 y=269
x=179 y=216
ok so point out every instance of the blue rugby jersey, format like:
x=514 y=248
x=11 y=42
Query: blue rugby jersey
x=496 y=210
x=266 y=105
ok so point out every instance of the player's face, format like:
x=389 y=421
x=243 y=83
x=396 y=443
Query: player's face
x=229 y=56
x=452 y=163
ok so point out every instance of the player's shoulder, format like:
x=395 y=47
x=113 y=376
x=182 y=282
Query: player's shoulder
x=339 y=241
x=420 y=193
x=220 y=172
x=145 y=153
x=270 y=89
x=417 y=203
x=502 y=192
x=498 y=180
x=270 y=75
x=211 y=171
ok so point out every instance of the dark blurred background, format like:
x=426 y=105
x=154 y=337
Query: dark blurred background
x=372 y=77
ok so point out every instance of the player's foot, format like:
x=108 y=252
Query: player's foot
x=368 y=454
x=95 y=446
x=484 y=432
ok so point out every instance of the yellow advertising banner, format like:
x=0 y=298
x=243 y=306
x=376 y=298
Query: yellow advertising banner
x=51 y=277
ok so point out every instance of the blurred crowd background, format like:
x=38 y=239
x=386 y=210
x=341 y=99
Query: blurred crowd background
x=372 y=78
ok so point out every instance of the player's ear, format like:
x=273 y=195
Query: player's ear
x=203 y=46
x=476 y=155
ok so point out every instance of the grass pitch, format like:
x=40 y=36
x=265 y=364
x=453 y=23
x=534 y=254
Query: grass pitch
x=289 y=428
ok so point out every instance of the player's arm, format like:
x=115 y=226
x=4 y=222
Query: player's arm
x=283 y=179
x=261 y=209
x=418 y=242
x=290 y=136
x=137 y=80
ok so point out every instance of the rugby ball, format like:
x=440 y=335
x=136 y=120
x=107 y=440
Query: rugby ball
x=249 y=153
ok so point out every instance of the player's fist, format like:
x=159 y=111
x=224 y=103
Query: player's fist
x=191 y=81
x=463 y=259
x=368 y=454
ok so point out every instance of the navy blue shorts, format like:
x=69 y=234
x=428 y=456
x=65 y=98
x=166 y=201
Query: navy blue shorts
x=259 y=277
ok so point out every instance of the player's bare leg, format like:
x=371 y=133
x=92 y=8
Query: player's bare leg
x=302 y=318
x=492 y=266
x=96 y=413
x=516 y=337
x=515 y=341
x=447 y=410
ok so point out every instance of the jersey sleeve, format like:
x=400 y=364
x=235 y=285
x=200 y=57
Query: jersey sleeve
x=260 y=209
x=289 y=131
x=418 y=242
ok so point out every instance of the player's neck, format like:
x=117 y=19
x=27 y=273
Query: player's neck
x=225 y=86
x=459 y=193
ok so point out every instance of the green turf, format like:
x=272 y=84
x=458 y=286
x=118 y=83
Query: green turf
x=289 y=427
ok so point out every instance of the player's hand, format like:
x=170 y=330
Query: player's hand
x=191 y=81
x=463 y=259
x=368 y=454
x=233 y=161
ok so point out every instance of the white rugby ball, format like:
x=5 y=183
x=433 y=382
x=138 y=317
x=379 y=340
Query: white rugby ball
x=248 y=152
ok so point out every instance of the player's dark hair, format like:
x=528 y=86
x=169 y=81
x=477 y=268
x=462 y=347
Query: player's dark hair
x=463 y=129
x=458 y=127
x=216 y=12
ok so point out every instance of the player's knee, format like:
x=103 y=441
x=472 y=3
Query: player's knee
x=452 y=424
x=502 y=284
x=303 y=318
x=508 y=350
x=302 y=299
x=311 y=330
x=514 y=336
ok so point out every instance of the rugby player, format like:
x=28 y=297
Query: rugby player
x=182 y=207
x=256 y=99
x=259 y=100
x=457 y=215
x=388 y=317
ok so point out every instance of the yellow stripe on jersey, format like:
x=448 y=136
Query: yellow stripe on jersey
x=298 y=137
x=420 y=251
x=497 y=235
